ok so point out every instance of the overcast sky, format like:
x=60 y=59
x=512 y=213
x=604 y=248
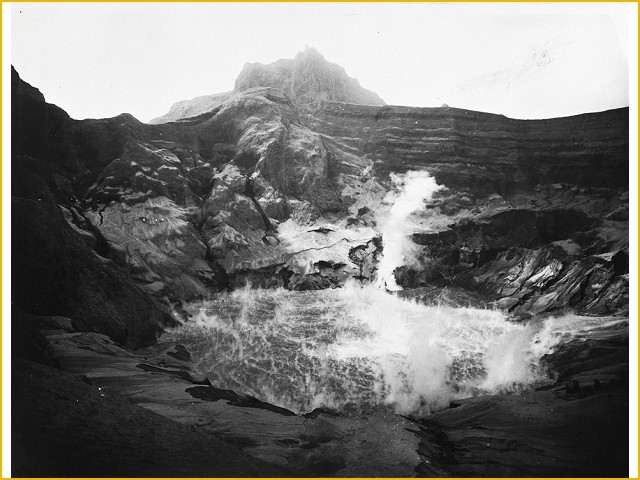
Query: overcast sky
x=521 y=60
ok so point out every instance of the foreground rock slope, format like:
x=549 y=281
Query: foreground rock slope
x=151 y=409
x=280 y=182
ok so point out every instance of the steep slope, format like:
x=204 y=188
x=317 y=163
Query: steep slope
x=61 y=263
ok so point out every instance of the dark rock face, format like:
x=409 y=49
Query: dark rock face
x=63 y=425
x=510 y=436
x=484 y=153
x=577 y=427
x=588 y=285
x=530 y=261
x=56 y=273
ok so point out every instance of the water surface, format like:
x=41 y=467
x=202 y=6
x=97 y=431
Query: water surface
x=358 y=349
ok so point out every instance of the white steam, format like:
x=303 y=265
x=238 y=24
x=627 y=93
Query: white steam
x=359 y=348
x=411 y=191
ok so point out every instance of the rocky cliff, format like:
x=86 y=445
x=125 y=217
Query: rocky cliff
x=484 y=153
x=308 y=80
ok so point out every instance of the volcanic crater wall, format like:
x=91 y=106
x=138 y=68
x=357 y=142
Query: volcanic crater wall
x=483 y=152
x=266 y=185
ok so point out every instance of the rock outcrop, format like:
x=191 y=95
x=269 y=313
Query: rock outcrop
x=192 y=108
x=577 y=427
x=59 y=271
x=309 y=80
x=558 y=254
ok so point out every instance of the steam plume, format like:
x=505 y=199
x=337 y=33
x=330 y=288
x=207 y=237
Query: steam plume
x=412 y=189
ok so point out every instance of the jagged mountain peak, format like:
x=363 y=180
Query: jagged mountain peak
x=308 y=79
x=309 y=53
